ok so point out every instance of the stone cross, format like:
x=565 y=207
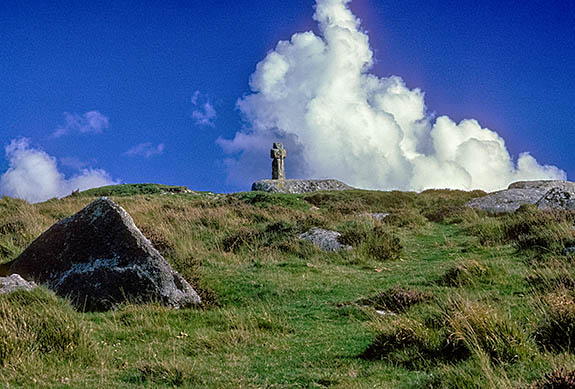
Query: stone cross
x=278 y=153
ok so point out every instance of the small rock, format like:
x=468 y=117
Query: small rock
x=325 y=240
x=13 y=283
x=569 y=251
x=379 y=216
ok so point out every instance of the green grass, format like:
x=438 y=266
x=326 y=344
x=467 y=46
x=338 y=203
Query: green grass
x=131 y=190
x=478 y=300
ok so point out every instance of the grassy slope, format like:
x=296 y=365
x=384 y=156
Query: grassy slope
x=280 y=313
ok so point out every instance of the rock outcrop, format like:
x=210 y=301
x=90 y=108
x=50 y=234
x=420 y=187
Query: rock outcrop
x=298 y=186
x=558 y=198
x=325 y=240
x=14 y=283
x=524 y=192
x=99 y=259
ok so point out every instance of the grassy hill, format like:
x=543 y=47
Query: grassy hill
x=434 y=296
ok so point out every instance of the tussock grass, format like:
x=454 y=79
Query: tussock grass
x=556 y=329
x=371 y=239
x=466 y=272
x=551 y=275
x=446 y=206
x=462 y=330
x=531 y=230
x=396 y=299
x=484 y=330
x=409 y=343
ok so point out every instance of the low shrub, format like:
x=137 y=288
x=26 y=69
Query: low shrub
x=254 y=237
x=160 y=239
x=444 y=205
x=355 y=233
x=489 y=229
x=358 y=201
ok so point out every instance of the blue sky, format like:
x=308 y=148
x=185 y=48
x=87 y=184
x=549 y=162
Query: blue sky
x=148 y=69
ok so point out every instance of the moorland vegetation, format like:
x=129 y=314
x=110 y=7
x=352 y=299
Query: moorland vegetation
x=436 y=295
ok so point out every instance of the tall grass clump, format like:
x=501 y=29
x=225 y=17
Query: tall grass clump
x=35 y=325
x=490 y=230
x=466 y=272
x=376 y=242
x=540 y=231
x=444 y=205
x=409 y=343
x=464 y=328
x=396 y=299
x=554 y=274
x=483 y=330
x=556 y=329
x=20 y=223
x=406 y=218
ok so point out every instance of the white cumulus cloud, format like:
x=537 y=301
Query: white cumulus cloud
x=146 y=150
x=33 y=175
x=337 y=120
x=89 y=122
